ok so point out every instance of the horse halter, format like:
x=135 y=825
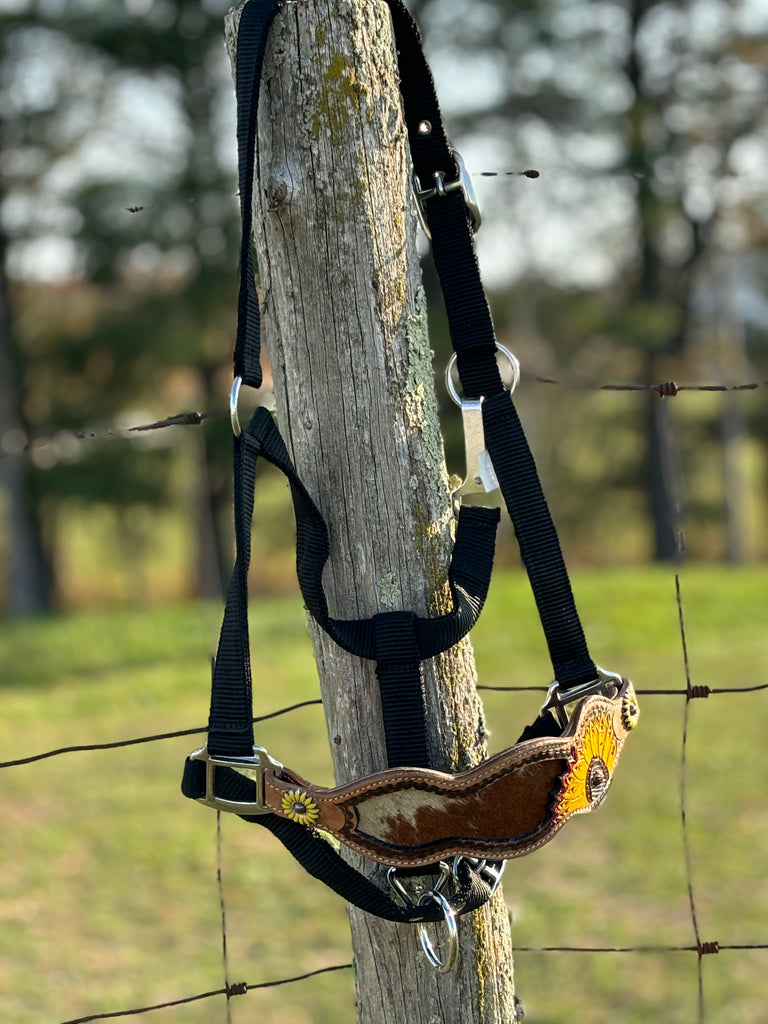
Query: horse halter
x=409 y=817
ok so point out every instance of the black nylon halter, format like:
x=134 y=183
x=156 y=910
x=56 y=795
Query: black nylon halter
x=397 y=641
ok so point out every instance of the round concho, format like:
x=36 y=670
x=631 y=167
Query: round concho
x=597 y=780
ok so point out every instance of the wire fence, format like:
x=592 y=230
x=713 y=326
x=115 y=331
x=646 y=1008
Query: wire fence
x=701 y=946
x=21 y=445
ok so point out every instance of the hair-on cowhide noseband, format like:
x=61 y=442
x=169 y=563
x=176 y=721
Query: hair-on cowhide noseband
x=508 y=806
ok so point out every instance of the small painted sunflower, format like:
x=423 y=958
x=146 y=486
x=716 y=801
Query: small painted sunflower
x=300 y=807
x=587 y=782
x=630 y=712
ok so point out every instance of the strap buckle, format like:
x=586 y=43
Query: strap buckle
x=254 y=768
x=444 y=188
x=607 y=683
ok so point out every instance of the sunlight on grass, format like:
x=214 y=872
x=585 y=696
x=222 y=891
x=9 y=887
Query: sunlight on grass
x=109 y=894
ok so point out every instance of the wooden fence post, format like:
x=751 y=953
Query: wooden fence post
x=345 y=323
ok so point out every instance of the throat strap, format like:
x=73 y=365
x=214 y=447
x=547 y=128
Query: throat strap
x=397 y=641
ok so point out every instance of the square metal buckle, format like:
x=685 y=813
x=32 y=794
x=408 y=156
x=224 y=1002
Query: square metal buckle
x=254 y=768
x=607 y=683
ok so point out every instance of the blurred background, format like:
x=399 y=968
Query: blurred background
x=639 y=255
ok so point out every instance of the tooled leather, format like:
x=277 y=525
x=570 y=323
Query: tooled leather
x=505 y=807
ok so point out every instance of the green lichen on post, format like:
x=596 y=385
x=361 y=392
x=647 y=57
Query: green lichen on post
x=414 y=395
x=480 y=942
x=341 y=95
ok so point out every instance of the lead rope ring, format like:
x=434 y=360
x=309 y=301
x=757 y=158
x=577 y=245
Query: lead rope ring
x=441 y=966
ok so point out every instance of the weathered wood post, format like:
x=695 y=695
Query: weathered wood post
x=345 y=324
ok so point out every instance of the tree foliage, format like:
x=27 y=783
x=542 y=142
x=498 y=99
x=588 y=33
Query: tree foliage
x=638 y=254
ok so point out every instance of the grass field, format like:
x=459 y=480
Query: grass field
x=108 y=895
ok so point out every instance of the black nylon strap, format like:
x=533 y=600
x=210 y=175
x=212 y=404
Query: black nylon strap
x=230 y=728
x=397 y=641
x=253 y=30
x=401 y=689
x=468 y=575
x=474 y=341
x=539 y=545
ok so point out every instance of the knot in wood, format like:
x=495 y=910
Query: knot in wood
x=277 y=191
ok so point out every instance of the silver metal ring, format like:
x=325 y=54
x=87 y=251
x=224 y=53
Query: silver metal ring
x=234 y=394
x=513 y=362
x=441 y=966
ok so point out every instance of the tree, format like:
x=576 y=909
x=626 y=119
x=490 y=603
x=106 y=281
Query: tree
x=120 y=218
x=346 y=326
x=27 y=575
x=645 y=118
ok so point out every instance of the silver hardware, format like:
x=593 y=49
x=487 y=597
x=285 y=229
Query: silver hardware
x=444 y=188
x=254 y=768
x=399 y=889
x=265 y=397
x=480 y=475
x=514 y=364
x=492 y=872
x=607 y=683
x=234 y=394
x=441 y=966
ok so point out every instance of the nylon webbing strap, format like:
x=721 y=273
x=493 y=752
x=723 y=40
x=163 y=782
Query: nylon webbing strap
x=230 y=728
x=401 y=689
x=474 y=341
x=397 y=641
x=537 y=538
x=253 y=30
x=469 y=571
x=389 y=638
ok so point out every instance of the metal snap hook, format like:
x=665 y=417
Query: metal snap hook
x=513 y=362
x=441 y=966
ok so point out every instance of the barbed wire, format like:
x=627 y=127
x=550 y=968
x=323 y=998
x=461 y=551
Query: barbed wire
x=20 y=445
x=79 y=748
x=114 y=744
x=240 y=988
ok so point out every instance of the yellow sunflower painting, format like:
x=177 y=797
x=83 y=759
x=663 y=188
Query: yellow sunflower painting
x=587 y=782
x=300 y=807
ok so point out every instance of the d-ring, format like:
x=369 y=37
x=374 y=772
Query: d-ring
x=234 y=394
x=513 y=362
x=441 y=966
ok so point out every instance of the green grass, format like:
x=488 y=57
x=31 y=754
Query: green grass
x=108 y=896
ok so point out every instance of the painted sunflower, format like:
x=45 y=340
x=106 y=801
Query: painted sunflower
x=300 y=807
x=586 y=783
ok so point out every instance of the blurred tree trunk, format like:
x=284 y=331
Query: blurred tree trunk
x=662 y=500
x=27 y=578
x=346 y=324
